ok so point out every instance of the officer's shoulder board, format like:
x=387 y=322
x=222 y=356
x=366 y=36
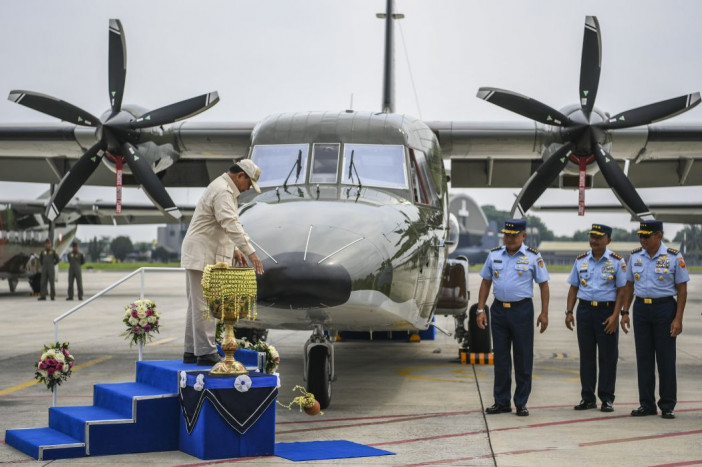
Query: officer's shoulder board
x=533 y=250
x=673 y=251
x=636 y=250
x=581 y=255
x=616 y=256
x=496 y=248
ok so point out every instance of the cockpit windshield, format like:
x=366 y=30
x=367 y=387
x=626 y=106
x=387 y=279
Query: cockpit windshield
x=374 y=165
x=277 y=161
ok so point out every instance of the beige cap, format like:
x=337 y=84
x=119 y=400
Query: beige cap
x=253 y=172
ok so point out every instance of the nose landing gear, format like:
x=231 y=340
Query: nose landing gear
x=319 y=366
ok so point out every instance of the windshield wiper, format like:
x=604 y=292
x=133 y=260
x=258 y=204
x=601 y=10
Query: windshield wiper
x=353 y=166
x=298 y=164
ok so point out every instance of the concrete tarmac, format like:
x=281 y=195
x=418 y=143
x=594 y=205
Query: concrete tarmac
x=414 y=399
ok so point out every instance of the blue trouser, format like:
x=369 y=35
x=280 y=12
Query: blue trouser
x=655 y=346
x=512 y=329
x=594 y=342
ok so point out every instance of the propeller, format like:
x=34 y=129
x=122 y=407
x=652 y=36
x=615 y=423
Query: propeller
x=583 y=133
x=117 y=133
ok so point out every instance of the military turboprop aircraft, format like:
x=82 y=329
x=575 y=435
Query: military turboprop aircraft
x=353 y=222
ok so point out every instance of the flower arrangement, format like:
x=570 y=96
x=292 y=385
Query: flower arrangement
x=54 y=365
x=272 y=355
x=141 y=319
x=306 y=401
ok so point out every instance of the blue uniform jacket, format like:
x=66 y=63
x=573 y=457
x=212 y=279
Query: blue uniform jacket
x=512 y=276
x=598 y=280
x=656 y=277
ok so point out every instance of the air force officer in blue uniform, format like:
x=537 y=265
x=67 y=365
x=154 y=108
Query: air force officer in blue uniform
x=656 y=275
x=597 y=280
x=513 y=269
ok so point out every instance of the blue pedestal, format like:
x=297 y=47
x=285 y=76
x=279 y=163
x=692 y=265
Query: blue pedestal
x=212 y=437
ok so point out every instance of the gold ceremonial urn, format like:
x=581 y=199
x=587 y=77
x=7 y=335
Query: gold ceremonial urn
x=231 y=295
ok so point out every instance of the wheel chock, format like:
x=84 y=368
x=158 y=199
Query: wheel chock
x=474 y=358
x=414 y=338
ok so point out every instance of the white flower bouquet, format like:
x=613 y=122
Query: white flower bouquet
x=54 y=365
x=142 y=320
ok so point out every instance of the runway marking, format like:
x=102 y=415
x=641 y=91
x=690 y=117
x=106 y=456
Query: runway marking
x=485 y=456
x=407 y=373
x=676 y=464
x=161 y=341
x=26 y=384
x=640 y=438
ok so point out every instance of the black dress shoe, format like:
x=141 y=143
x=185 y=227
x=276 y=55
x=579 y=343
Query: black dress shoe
x=522 y=411
x=208 y=360
x=69 y=299
x=642 y=412
x=669 y=414
x=41 y=299
x=583 y=405
x=607 y=407
x=497 y=408
x=189 y=357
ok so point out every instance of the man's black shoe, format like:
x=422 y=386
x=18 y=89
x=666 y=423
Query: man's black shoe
x=669 y=414
x=69 y=298
x=607 y=407
x=642 y=412
x=522 y=411
x=80 y=298
x=583 y=405
x=208 y=360
x=497 y=408
x=52 y=299
x=41 y=299
x=189 y=357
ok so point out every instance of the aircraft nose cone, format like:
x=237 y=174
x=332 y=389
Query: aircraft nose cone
x=300 y=282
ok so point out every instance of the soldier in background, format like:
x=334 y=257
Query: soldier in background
x=75 y=261
x=48 y=260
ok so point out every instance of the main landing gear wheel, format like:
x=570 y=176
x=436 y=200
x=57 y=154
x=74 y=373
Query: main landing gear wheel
x=479 y=338
x=319 y=375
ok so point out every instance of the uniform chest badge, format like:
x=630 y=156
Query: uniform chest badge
x=637 y=276
x=496 y=274
x=583 y=282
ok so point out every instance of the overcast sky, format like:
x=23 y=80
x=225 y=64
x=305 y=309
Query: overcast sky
x=268 y=56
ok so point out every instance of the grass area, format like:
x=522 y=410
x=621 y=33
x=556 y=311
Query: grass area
x=63 y=266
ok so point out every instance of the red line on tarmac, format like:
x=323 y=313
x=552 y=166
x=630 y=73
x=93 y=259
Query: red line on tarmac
x=397 y=420
x=485 y=456
x=429 y=438
x=326 y=420
x=640 y=438
x=223 y=461
x=676 y=464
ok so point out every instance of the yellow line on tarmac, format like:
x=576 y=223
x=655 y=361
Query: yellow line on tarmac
x=408 y=372
x=27 y=384
x=161 y=341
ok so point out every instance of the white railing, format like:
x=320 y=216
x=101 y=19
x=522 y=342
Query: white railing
x=141 y=271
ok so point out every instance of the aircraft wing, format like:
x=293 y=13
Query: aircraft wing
x=506 y=154
x=30 y=213
x=679 y=213
x=186 y=154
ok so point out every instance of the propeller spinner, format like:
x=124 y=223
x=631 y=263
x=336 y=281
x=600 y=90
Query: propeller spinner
x=584 y=132
x=116 y=132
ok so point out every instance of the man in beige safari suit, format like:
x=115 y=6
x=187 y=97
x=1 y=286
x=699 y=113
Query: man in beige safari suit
x=215 y=234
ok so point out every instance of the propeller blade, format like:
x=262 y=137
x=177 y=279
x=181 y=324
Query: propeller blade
x=653 y=112
x=620 y=184
x=153 y=187
x=525 y=106
x=541 y=179
x=590 y=65
x=178 y=111
x=54 y=107
x=117 y=65
x=74 y=179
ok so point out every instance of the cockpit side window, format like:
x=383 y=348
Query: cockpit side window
x=277 y=161
x=374 y=165
x=325 y=163
x=423 y=187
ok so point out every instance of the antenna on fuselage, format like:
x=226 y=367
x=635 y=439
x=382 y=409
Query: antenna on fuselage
x=388 y=104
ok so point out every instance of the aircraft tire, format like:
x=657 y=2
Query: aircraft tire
x=318 y=382
x=12 y=282
x=35 y=282
x=479 y=338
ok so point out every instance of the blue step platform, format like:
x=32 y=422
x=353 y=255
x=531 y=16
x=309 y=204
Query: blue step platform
x=133 y=417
